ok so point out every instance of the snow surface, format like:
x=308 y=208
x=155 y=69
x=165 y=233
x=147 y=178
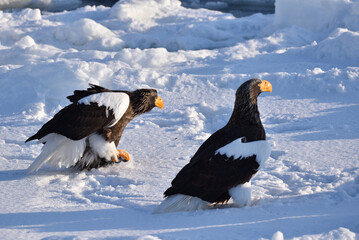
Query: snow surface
x=308 y=50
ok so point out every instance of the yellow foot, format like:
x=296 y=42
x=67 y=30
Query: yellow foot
x=124 y=155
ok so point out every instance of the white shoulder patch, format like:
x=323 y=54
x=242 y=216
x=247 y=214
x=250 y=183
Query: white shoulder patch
x=237 y=149
x=118 y=102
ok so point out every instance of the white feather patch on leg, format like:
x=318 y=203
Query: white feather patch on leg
x=99 y=148
x=241 y=194
x=103 y=148
x=58 y=151
x=180 y=202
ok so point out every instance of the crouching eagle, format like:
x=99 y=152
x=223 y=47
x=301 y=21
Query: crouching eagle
x=225 y=163
x=85 y=134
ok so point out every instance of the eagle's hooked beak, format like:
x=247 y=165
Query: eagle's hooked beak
x=265 y=86
x=159 y=102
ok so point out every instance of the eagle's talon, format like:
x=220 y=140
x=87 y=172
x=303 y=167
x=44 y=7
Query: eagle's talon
x=125 y=156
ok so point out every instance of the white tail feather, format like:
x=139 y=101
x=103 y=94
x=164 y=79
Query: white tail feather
x=180 y=202
x=58 y=151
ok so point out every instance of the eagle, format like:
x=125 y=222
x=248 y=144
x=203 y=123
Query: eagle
x=224 y=164
x=85 y=134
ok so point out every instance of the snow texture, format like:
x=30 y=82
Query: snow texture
x=118 y=102
x=307 y=189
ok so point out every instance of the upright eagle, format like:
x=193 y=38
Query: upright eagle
x=225 y=163
x=85 y=134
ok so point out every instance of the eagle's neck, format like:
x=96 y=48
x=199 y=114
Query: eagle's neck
x=245 y=112
x=115 y=132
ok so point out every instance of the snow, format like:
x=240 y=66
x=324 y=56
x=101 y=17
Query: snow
x=317 y=15
x=196 y=59
x=278 y=236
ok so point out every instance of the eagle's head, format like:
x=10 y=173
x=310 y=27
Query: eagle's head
x=245 y=107
x=143 y=100
x=252 y=88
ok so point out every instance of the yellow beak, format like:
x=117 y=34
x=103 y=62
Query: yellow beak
x=159 y=102
x=265 y=86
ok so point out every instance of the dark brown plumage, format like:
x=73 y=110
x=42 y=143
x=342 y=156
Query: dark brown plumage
x=210 y=175
x=80 y=120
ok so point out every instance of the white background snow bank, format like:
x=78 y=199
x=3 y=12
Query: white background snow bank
x=317 y=15
x=196 y=59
